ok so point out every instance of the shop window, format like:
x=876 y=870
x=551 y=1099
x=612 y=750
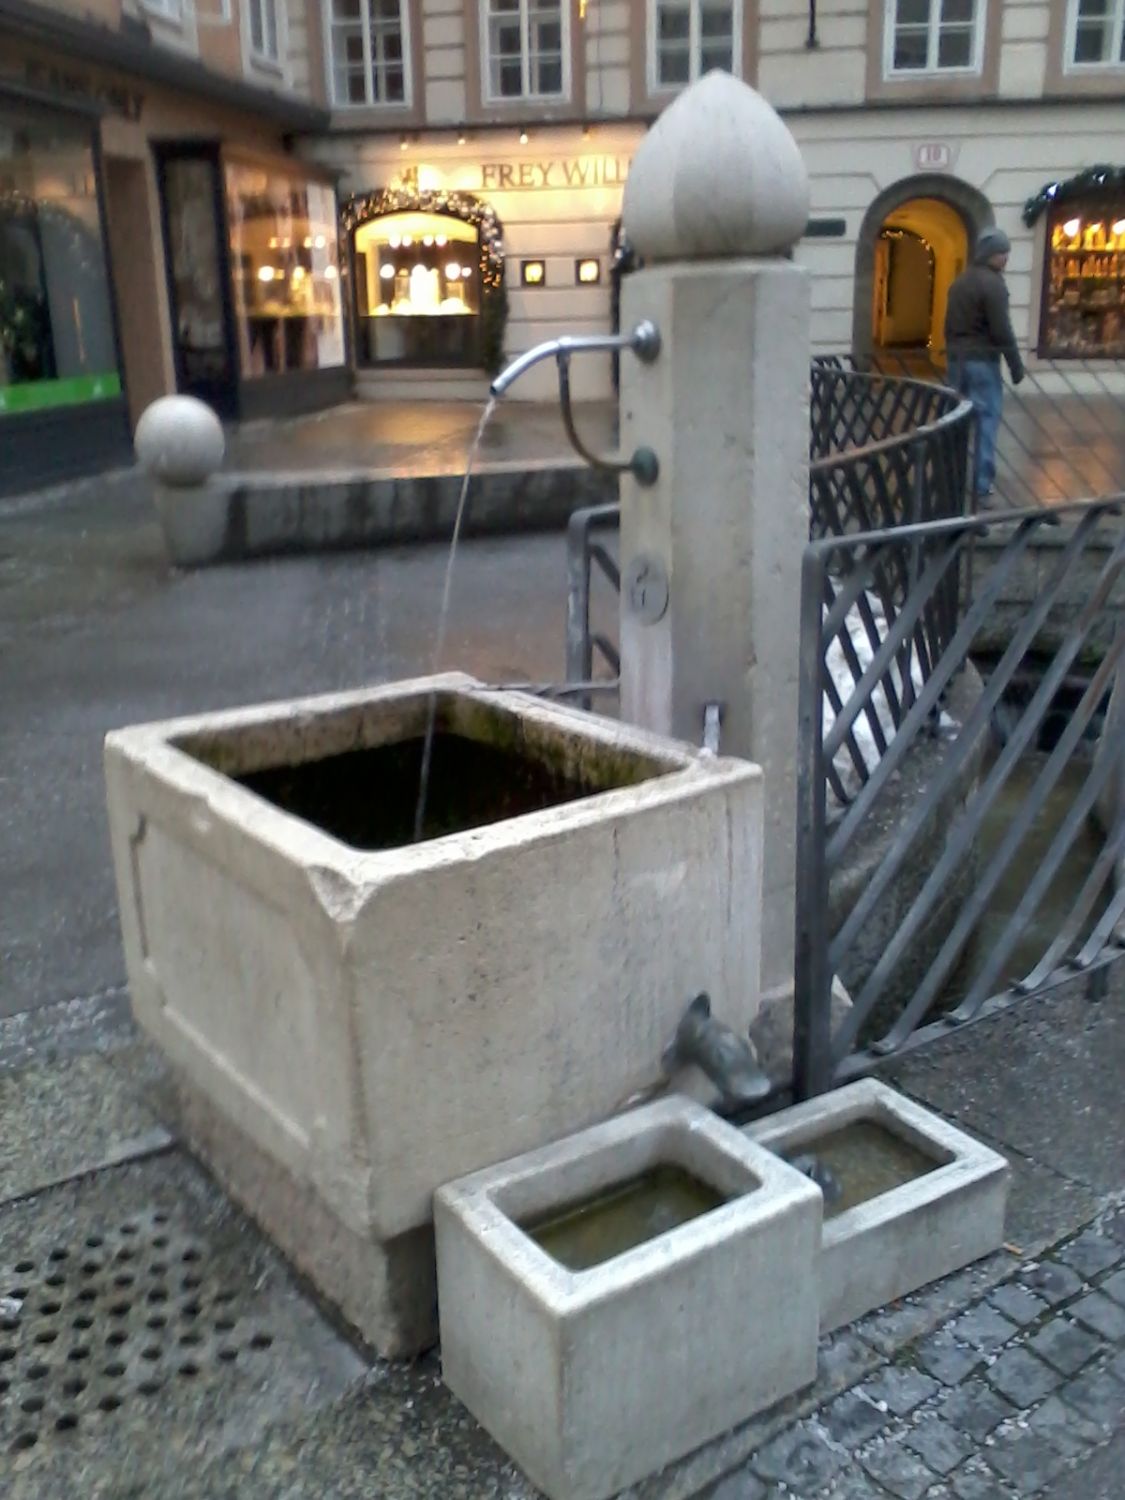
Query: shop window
x=1084 y=280
x=264 y=41
x=285 y=272
x=526 y=45
x=57 y=342
x=1096 y=33
x=934 y=36
x=417 y=290
x=688 y=38
x=369 y=49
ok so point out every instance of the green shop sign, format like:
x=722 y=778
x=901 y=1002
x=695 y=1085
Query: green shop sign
x=36 y=395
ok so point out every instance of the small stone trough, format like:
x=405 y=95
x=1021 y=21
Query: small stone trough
x=353 y=1018
x=613 y=1301
x=918 y=1200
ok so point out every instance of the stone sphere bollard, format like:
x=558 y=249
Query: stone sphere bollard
x=179 y=441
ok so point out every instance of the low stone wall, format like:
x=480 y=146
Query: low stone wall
x=234 y=517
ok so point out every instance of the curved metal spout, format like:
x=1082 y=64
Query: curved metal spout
x=644 y=341
x=727 y=1059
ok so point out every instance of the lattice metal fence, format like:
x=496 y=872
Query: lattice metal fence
x=961 y=831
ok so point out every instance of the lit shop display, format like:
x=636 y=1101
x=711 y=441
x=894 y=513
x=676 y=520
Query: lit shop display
x=1084 y=282
x=418 y=289
x=285 y=272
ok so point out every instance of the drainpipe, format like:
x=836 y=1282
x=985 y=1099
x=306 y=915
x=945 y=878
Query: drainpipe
x=812 y=40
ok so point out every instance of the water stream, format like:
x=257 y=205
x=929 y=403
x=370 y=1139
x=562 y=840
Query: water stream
x=443 y=617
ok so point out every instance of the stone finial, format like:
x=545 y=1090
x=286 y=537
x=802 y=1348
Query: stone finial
x=179 y=440
x=718 y=175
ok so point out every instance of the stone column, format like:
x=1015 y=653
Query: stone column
x=711 y=554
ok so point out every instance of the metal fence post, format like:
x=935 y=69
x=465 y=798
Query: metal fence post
x=813 y=1064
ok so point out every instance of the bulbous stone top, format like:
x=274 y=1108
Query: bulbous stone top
x=179 y=440
x=718 y=175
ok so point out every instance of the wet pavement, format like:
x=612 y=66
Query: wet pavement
x=1056 y=443
x=417 y=437
x=96 y=631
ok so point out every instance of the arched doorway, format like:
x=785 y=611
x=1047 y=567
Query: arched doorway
x=914 y=240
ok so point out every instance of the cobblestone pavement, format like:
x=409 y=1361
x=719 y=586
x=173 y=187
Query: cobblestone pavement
x=1009 y=1399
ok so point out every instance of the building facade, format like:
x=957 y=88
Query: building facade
x=146 y=181
x=276 y=203
x=515 y=120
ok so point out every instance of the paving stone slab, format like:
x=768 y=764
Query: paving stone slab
x=976 y=1482
x=68 y=1119
x=854 y=1484
x=897 y=1470
x=900 y=1388
x=941 y=1446
x=1102 y=1314
x=1028 y=1460
x=1091 y=1253
x=1022 y=1378
x=976 y=1408
x=1052 y=1282
x=946 y=1359
x=852 y=1419
x=1018 y=1304
x=982 y=1327
x=800 y=1459
x=1114 y=1286
x=1065 y=1345
x=1097 y=1397
x=1066 y=1427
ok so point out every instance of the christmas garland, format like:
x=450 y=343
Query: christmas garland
x=361 y=208
x=1092 y=180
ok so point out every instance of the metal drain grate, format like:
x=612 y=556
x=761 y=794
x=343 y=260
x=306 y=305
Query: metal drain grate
x=112 y=1320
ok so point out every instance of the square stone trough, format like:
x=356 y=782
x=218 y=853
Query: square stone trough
x=920 y=1198
x=596 y=1356
x=353 y=1018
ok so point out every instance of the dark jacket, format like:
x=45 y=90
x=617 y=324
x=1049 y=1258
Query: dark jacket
x=977 y=325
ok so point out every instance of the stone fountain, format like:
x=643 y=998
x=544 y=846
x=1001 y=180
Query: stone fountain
x=370 y=1033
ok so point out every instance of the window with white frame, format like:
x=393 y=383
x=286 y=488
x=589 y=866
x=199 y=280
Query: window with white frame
x=526 y=48
x=264 y=41
x=934 y=36
x=688 y=38
x=1096 y=34
x=169 y=10
x=368 y=46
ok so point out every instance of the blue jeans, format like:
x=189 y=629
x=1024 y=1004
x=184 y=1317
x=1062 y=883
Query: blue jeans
x=981 y=382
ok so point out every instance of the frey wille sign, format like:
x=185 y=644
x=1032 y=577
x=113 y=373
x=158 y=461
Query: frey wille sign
x=533 y=176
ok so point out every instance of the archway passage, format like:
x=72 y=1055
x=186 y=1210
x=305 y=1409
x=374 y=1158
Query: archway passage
x=942 y=217
x=922 y=245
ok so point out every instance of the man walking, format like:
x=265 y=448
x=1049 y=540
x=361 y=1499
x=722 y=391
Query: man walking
x=978 y=330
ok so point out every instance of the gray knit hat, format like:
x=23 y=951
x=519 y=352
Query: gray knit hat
x=990 y=242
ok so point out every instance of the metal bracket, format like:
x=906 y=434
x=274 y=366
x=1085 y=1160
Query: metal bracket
x=643 y=340
x=644 y=464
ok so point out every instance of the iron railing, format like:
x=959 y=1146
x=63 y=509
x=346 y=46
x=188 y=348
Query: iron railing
x=945 y=859
x=884 y=451
x=1061 y=434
